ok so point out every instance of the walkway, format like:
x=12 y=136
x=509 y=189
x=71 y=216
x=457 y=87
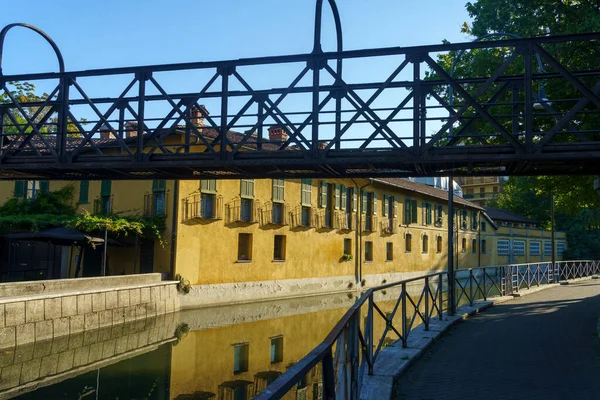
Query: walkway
x=542 y=346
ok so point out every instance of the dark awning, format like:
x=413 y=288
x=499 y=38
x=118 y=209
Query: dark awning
x=59 y=236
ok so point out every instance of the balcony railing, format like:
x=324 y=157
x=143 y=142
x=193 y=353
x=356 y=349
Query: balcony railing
x=103 y=205
x=243 y=210
x=369 y=223
x=155 y=204
x=389 y=225
x=345 y=221
x=275 y=214
x=299 y=220
x=199 y=207
x=324 y=219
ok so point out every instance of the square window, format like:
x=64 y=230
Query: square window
x=305 y=216
x=240 y=357
x=276 y=349
x=439 y=244
x=474 y=246
x=277 y=216
x=483 y=246
x=348 y=246
x=279 y=248
x=207 y=206
x=408 y=243
x=389 y=251
x=245 y=246
x=246 y=210
x=425 y=244
x=368 y=251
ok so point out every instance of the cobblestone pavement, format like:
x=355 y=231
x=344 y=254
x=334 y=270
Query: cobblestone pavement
x=541 y=346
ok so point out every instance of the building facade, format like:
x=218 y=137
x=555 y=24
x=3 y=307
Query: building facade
x=481 y=189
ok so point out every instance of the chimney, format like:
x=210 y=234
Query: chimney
x=197 y=115
x=277 y=133
x=131 y=129
x=105 y=133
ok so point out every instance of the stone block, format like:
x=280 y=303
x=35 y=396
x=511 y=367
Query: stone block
x=31 y=370
x=7 y=357
x=14 y=313
x=154 y=294
x=2 y=316
x=84 y=304
x=77 y=323
x=98 y=302
x=11 y=376
x=108 y=348
x=53 y=308
x=153 y=335
x=7 y=337
x=161 y=307
x=140 y=311
x=144 y=295
x=62 y=326
x=91 y=321
x=25 y=333
x=164 y=333
x=170 y=305
x=95 y=352
x=69 y=306
x=34 y=311
x=76 y=340
x=112 y=300
x=65 y=361
x=172 y=291
x=60 y=344
x=129 y=313
x=104 y=334
x=49 y=365
x=44 y=330
x=123 y=296
x=143 y=338
x=81 y=356
x=121 y=345
x=116 y=331
x=132 y=341
x=42 y=349
x=164 y=292
x=118 y=315
x=105 y=318
x=24 y=353
x=150 y=309
x=90 y=337
x=134 y=297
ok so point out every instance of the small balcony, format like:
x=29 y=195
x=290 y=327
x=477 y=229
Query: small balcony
x=345 y=221
x=243 y=211
x=369 y=223
x=273 y=213
x=155 y=204
x=303 y=217
x=207 y=207
x=389 y=226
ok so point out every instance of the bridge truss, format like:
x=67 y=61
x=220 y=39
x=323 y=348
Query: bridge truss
x=373 y=112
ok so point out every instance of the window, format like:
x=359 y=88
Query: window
x=305 y=216
x=410 y=211
x=425 y=244
x=84 y=192
x=29 y=189
x=474 y=246
x=279 y=248
x=428 y=213
x=245 y=247
x=326 y=201
x=208 y=186
x=534 y=248
x=495 y=190
x=306 y=193
x=247 y=188
x=408 y=242
x=463 y=219
x=276 y=349
x=439 y=214
x=208 y=190
x=518 y=247
x=278 y=190
x=547 y=248
x=483 y=246
x=560 y=248
x=246 y=210
x=347 y=246
x=240 y=357
x=368 y=251
x=474 y=220
x=105 y=196
x=277 y=213
x=503 y=247
x=482 y=192
x=439 y=244
x=389 y=251
x=370 y=207
x=337 y=196
x=158 y=197
x=463 y=246
x=483 y=226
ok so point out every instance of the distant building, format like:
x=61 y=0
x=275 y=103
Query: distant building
x=481 y=189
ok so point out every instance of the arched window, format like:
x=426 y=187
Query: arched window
x=425 y=244
x=464 y=245
x=408 y=242
x=439 y=244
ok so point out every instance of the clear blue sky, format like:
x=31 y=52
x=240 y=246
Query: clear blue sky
x=109 y=33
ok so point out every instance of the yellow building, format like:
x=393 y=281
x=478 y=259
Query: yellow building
x=241 y=240
x=481 y=189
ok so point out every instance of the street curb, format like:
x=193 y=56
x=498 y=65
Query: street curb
x=394 y=360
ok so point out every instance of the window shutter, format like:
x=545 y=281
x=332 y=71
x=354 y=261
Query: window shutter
x=305 y=198
x=337 y=195
x=158 y=185
x=407 y=212
x=414 y=211
x=247 y=188
x=208 y=185
x=19 y=188
x=278 y=190
x=363 y=199
x=374 y=203
x=44 y=186
x=343 y=200
x=323 y=195
x=386 y=200
x=105 y=188
x=354 y=200
x=395 y=207
x=84 y=190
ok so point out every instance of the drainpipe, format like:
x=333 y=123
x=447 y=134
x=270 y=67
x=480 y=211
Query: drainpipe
x=451 y=281
x=358 y=235
x=174 y=227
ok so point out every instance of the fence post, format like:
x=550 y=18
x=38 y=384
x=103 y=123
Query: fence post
x=484 y=292
x=404 y=324
x=328 y=377
x=471 y=287
x=441 y=296
x=369 y=335
x=528 y=276
x=426 y=322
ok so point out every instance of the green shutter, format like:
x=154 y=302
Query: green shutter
x=305 y=198
x=247 y=188
x=343 y=198
x=354 y=200
x=208 y=186
x=19 y=188
x=84 y=190
x=395 y=207
x=386 y=202
x=414 y=210
x=407 y=211
x=105 y=188
x=338 y=197
x=374 y=203
x=278 y=190
x=364 y=199
x=323 y=195
x=158 y=185
x=44 y=186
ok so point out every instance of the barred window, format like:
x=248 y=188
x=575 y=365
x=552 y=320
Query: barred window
x=547 y=248
x=503 y=247
x=560 y=248
x=534 y=248
x=518 y=247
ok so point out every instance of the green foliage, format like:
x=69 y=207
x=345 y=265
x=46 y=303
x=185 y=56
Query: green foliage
x=183 y=286
x=347 y=257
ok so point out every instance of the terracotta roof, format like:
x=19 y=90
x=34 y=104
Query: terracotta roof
x=503 y=215
x=425 y=190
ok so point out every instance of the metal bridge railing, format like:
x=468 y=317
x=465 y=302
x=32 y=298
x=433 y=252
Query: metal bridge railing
x=388 y=313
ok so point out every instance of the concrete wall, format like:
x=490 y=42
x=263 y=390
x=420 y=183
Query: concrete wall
x=75 y=307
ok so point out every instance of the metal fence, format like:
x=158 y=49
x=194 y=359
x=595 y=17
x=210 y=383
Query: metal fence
x=392 y=310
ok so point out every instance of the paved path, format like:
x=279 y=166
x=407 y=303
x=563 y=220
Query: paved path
x=542 y=346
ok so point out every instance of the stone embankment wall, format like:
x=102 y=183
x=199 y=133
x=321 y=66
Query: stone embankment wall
x=35 y=311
